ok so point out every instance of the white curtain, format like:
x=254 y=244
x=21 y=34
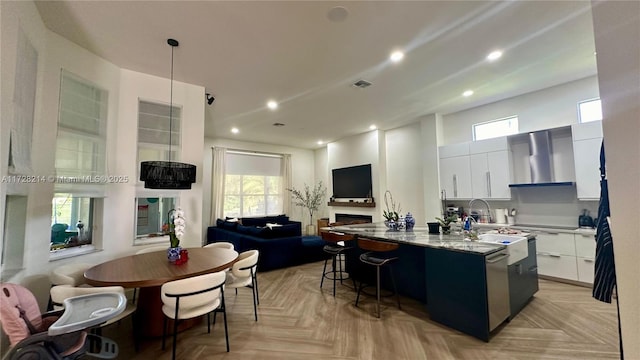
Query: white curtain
x=217 y=183
x=286 y=184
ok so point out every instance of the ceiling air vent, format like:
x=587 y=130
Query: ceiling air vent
x=361 y=84
x=277 y=124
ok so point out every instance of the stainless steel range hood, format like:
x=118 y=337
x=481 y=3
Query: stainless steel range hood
x=541 y=161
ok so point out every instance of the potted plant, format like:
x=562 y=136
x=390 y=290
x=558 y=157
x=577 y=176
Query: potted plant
x=392 y=213
x=311 y=199
x=175 y=229
x=445 y=223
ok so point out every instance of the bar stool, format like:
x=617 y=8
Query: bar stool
x=375 y=256
x=335 y=247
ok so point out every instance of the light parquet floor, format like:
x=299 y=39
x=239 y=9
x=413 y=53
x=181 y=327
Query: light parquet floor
x=299 y=321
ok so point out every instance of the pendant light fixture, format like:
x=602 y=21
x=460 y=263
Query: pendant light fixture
x=168 y=174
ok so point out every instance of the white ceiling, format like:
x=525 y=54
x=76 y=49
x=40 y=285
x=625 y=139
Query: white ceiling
x=245 y=53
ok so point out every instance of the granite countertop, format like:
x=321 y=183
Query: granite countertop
x=420 y=236
x=540 y=228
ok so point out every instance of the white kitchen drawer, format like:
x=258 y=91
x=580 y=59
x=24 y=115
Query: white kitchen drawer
x=560 y=266
x=453 y=150
x=588 y=130
x=586 y=267
x=555 y=243
x=585 y=245
x=489 y=145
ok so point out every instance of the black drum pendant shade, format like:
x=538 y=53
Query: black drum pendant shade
x=168 y=174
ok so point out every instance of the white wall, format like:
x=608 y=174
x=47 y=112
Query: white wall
x=302 y=168
x=124 y=88
x=544 y=109
x=362 y=149
x=405 y=170
x=617 y=38
x=322 y=173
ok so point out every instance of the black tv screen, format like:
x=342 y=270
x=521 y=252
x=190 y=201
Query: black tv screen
x=352 y=182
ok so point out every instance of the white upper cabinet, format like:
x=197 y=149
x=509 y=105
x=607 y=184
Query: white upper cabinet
x=455 y=171
x=490 y=168
x=587 y=139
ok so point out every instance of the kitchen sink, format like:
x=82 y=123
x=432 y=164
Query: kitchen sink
x=517 y=246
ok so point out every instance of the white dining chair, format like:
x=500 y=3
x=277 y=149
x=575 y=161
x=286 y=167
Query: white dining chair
x=68 y=274
x=222 y=244
x=243 y=274
x=192 y=297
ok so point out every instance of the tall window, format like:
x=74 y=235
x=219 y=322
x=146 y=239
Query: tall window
x=80 y=160
x=589 y=110
x=495 y=128
x=81 y=138
x=253 y=185
x=154 y=132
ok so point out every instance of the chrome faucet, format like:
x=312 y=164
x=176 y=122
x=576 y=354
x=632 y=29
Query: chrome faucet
x=485 y=203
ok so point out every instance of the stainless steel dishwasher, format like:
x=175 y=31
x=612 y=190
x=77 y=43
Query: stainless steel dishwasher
x=497 y=288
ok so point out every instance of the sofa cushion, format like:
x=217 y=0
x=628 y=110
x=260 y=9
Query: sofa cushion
x=281 y=231
x=257 y=231
x=262 y=221
x=227 y=225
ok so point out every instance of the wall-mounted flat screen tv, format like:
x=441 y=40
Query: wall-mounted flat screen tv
x=352 y=182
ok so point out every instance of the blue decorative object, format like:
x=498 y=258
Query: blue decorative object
x=391 y=225
x=409 y=221
x=173 y=253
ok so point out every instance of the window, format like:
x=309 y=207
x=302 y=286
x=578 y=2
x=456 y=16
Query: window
x=495 y=128
x=154 y=132
x=81 y=138
x=589 y=110
x=253 y=185
x=151 y=214
x=71 y=221
x=76 y=208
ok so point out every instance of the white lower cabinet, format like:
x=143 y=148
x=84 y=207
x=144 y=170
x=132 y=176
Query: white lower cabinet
x=566 y=256
x=559 y=266
x=586 y=266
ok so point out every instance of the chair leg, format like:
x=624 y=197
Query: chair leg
x=324 y=271
x=164 y=330
x=226 y=329
x=133 y=300
x=359 y=290
x=208 y=323
x=340 y=264
x=254 y=291
x=214 y=317
x=255 y=279
x=393 y=281
x=175 y=338
x=378 y=288
x=334 y=275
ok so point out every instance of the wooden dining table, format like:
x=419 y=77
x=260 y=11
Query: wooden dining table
x=148 y=271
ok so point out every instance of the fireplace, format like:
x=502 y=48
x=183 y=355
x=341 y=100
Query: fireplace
x=347 y=218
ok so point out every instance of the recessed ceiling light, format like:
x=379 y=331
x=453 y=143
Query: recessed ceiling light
x=396 y=56
x=271 y=104
x=235 y=130
x=494 y=55
x=372 y=127
x=467 y=93
x=320 y=142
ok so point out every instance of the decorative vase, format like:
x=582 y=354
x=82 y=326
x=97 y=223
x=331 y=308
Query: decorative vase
x=446 y=230
x=409 y=221
x=391 y=225
x=310 y=229
x=173 y=253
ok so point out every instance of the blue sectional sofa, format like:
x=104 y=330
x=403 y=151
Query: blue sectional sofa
x=279 y=246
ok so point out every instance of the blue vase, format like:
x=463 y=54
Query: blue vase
x=173 y=253
x=409 y=221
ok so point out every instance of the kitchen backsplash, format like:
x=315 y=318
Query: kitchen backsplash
x=551 y=206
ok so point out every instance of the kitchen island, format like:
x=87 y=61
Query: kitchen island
x=464 y=284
